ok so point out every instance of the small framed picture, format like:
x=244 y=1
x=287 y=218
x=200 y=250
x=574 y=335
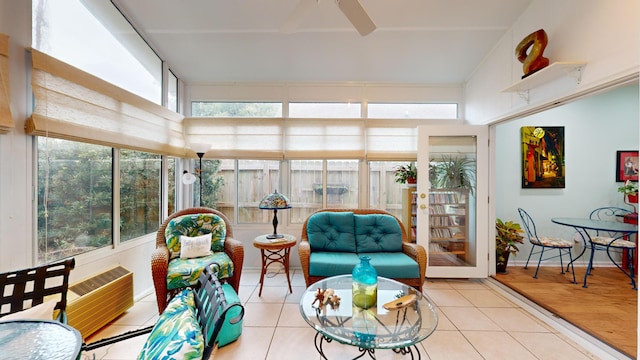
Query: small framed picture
x=626 y=165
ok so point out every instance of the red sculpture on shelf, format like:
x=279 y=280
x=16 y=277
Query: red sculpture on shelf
x=532 y=61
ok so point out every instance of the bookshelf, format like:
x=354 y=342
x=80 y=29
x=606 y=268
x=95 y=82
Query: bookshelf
x=448 y=212
x=409 y=214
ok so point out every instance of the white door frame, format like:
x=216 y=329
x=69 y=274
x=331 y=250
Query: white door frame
x=481 y=132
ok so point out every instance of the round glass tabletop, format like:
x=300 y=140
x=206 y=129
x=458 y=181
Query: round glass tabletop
x=38 y=339
x=373 y=328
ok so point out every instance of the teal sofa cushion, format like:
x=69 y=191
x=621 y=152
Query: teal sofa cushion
x=331 y=231
x=330 y=263
x=230 y=331
x=377 y=233
x=394 y=265
x=177 y=333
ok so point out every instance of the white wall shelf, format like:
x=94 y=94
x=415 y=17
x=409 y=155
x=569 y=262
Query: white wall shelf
x=552 y=72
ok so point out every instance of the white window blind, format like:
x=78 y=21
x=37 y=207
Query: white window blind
x=74 y=105
x=392 y=139
x=6 y=121
x=278 y=138
x=324 y=139
x=238 y=138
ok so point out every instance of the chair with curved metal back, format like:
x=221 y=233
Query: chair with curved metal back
x=27 y=288
x=545 y=243
x=612 y=241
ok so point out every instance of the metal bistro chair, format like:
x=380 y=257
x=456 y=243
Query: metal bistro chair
x=27 y=288
x=545 y=243
x=608 y=241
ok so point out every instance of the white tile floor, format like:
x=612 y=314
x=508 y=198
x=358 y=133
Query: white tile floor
x=476 y=321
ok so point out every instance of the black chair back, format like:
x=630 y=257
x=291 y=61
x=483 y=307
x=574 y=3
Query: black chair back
x=28 y=287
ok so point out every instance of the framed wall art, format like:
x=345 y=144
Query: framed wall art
x=626 y=165
x=543 y=157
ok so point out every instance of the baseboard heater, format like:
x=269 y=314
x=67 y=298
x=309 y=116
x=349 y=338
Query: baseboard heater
x=96 y=301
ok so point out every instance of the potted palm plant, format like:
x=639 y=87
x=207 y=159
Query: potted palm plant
x=508 y=234
x=453 y=172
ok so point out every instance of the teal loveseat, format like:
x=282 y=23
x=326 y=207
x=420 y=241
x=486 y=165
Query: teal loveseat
x=332 y=241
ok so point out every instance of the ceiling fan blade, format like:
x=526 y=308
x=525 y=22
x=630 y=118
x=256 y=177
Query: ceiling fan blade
x=299 y=13
x=358 y=16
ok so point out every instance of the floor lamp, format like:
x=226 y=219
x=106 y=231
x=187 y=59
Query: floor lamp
x=188 y=178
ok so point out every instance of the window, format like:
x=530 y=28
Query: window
x=310 y=193
x=412 y=111
x=305 y=195
x=235 y=109
x=171 y=192
x=61 y=27
x=384 y=192
x=256 y=179
x=324 y=110
x=210 y=183
x=140 y=193
x=75 y=187
x=172 y=92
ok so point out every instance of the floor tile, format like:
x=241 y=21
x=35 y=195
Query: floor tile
x=252 y=344
x=291 y=317
x=443 y=321
x=549 y=346
x=469 y=318
x=514 y=319
x=261 y=314
x=293 y=343
x=497 y=345
x=436 y=284
x=449 y=345
x=446 y=297
x=485 y=298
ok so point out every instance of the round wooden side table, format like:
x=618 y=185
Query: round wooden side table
x=274 y=251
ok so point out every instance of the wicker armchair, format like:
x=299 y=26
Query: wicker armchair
x=414 y=251
x=160 y=257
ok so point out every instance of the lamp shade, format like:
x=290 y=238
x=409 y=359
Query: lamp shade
x=188 y=178
x=200 y=148
x=274 y=200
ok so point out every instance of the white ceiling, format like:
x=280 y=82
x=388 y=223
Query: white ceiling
x=416 y=41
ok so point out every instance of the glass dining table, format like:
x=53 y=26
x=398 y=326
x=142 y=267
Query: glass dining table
x=584 y=225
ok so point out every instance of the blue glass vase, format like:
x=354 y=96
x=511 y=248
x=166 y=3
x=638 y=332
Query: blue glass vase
x=364 y=291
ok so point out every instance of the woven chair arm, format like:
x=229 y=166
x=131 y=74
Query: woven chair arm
x=304 y=252
x=417 y=253
x=159 y=261
x=235 y=250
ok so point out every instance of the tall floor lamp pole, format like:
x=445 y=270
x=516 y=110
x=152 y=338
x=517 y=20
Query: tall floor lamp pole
x=200 y=155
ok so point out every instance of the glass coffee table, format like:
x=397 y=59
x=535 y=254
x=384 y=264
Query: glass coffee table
x=398 y=329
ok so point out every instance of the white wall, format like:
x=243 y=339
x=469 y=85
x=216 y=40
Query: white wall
x=595 y=128
x=604 y=33
x=16 y=227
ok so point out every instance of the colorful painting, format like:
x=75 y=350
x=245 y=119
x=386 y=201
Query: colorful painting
x=626 y=165
x=543 y=157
